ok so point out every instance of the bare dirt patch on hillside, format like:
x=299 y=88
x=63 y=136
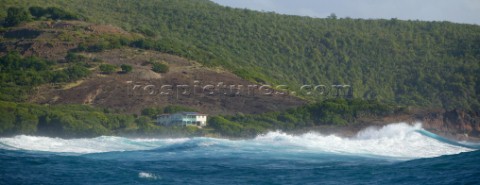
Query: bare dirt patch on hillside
x=187 y=83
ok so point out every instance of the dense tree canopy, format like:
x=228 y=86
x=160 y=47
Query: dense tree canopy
x=19 y=75
x=16 y=16
x=432 y=64
x=52 y=13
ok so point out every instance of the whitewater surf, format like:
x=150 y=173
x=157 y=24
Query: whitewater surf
x=402 y=141
x=395 y=151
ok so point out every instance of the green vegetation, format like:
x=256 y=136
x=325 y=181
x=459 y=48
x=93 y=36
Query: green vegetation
x=53 y=13
x=339 y=112
x=152 y=112
x=107 y=68
x=71 y=121
x=126 y=68
x=86 y=121
x=75 y=58
x=15 y=16
x=102 y=43
x=428 y=64
x=171 y=109
x=159 y=67
x=20 y=75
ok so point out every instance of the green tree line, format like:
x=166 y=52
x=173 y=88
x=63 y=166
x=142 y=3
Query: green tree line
x=74 y=121
x=20 y=75
x=18 y=15
x=338 y=112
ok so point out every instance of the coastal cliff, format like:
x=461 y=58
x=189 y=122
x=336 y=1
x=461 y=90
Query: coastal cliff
x=456 y=124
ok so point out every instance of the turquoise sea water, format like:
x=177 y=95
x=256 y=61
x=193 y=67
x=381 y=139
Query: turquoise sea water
x=394 y=154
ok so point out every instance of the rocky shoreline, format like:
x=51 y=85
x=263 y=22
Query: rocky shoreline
x=455 y=124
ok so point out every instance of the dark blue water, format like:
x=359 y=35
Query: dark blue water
x=376 y=156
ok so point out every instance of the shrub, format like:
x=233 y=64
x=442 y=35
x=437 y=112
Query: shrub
x=15 y=16
x=72 y=57
x=52 y=12
x=37 y=11
x=126 y=68
x=76 y=72
x=151 y=112
x=160 y=67
x=224 y=126
x=171 y=109
x=57 y=13
x=107 y=68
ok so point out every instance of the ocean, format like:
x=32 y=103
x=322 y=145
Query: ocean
x=394 y=154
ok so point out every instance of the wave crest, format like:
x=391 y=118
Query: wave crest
x=82 y=146
x=400 y=140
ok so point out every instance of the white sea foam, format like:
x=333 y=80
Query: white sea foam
x=93 y=145
x=146 y=175
x=399 y=140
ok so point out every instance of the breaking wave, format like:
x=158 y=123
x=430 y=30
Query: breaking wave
x=398 y=141
x=83 y=146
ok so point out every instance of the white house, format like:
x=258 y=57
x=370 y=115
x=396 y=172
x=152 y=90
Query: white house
x=183 y=119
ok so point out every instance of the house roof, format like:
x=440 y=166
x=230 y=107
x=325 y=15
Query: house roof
x=183 y=113
x=192 y=113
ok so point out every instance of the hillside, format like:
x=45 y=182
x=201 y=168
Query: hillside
x=53 y=87
x=143 y=88
x=425 y=64
x=108 y=68
x=125 y=92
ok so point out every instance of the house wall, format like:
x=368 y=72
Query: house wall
x=202 y=119
x=182 y=119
